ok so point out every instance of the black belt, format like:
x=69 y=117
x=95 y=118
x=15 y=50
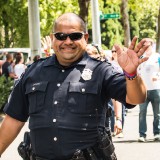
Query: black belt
x=91 y=153
x=78 y=155
x=38 y=158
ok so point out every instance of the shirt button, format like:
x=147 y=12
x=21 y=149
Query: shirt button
x=63 y=70
x=55 y=138
x=33 y=88
x=55 y=102
x=54 y=120
x=58 y=85
x=83 y=90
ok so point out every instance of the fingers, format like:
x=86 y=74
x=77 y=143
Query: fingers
x=142 y=50
x=133 y=43
x=145 y=45
x=48 y=39
x=141 y=60
x=46 y=42
x=117 y=128
x=43 y=41
x=117 y=131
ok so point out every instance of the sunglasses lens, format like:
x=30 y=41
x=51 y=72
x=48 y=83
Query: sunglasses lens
x=75 y=36
x=61 y=36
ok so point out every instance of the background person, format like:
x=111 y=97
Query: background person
x=94 y=51
x=7 y=67
x=1 y=63
x=36 y=57
x=2 y=60
x=62 y=95
x=118 y=112
x=19 y=67
x=150 y=73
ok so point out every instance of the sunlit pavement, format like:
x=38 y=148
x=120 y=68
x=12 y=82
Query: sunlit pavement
x=128 y=148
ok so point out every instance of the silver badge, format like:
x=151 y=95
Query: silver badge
x=87 y=74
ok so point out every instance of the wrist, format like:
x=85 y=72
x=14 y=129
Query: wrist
x=47 y=50
x=118 y=119
x=130 y=76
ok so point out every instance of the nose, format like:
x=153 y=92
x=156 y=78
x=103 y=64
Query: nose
x=68 y=40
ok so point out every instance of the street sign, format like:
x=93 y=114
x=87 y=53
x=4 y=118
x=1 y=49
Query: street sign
x=109 y=16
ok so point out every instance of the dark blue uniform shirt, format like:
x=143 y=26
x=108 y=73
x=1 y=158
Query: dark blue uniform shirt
x=64 y=103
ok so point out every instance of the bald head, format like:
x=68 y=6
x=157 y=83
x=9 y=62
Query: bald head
x=69 y=18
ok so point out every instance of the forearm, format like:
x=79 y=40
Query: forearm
x=12 y=75
x=117 y=109
x=136 y=91
x=8 y=132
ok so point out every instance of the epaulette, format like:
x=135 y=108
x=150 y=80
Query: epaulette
x=95 y=59
x=41 y=59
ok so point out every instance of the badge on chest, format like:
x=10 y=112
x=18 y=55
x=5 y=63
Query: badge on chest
x=86 y=74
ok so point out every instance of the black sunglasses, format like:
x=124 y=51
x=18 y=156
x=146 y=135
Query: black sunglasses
x=73 y=36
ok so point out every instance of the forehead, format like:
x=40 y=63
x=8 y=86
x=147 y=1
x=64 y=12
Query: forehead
x=68 y=26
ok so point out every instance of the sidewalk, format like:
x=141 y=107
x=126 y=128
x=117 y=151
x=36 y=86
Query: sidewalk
x=127 y=148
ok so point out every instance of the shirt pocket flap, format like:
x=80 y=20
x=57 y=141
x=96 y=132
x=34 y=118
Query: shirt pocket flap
x=91 y=87
x=40 y=86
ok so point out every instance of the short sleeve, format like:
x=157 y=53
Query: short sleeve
x=17 y=106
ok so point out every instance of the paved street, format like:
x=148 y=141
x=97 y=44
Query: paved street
x=127 y=148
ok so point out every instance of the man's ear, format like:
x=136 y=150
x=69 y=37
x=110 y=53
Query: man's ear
x=86 y=36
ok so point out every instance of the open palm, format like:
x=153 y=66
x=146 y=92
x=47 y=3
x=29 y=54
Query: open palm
x=130 y=58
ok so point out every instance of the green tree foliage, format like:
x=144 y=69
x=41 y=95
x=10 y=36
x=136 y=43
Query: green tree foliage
x=5 y=90
x=134 y=18
x=143 y=18
x=158 y=33
x=50 y=10
x=111 y=29
x=13 y=23
x=148 y=21
x=143 y=15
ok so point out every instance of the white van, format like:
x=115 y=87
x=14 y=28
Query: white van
x=26 y=52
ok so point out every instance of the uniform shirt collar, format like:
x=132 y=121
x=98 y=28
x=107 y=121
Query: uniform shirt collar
x=53 y=61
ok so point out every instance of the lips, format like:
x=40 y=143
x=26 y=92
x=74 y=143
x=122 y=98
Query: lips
x=68 y=48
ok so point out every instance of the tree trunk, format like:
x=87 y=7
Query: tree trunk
x=6 y=29
x=125 y=21
x=84 y=5
x=158 y=34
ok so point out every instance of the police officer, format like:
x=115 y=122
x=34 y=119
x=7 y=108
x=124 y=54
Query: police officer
x=62 y=95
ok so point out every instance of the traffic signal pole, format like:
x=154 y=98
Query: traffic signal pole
x=96 y=33
x=34 y=27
